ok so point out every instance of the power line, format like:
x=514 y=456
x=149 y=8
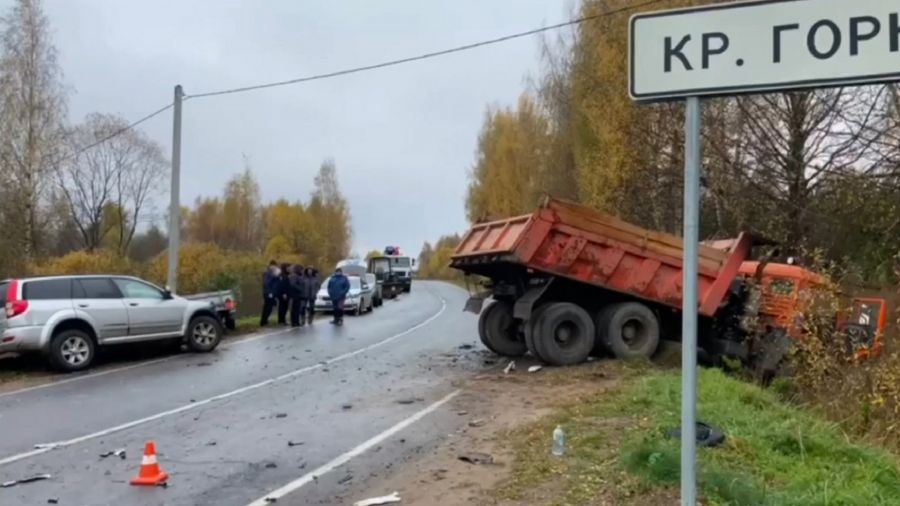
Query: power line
x=425 y=56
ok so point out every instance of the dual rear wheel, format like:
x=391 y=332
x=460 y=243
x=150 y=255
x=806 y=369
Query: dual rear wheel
x=562 y=333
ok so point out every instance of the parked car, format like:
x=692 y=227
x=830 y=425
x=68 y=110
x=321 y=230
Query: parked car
x=355 y=268
x=68 y=317
x=359 y=300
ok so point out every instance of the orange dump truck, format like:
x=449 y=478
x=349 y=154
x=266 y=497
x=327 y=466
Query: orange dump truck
x=568 y=281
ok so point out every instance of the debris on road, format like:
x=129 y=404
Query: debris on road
x=462 y=413
x=535 y=368
x=347 y=407
x=295 y=443
x=53 y=500
x=376 y=501
x=466 y=346
x=118 y=453
x=280 y=415
x=204 y=364
x=477 y=458
x=271 y=465
x=30 y=479
x=511 y=366
x=271 y=499
x=345 y=479
x=45 y=446
x=477 y=423
x=411 y=400
x=211 y=443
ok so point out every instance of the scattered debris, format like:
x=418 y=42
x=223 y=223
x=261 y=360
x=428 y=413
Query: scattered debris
x=271 y=465
x=53 y=500
x=204 y=364
x=466 y=346
x=407 y=401
x=291 y=444
x=375 y=501
x=462 y=413
x=345 y=479
x=510 y=367
x=707 y=435
x=118 y=453
x=347 y=407
x=280 y=415
x=477 y=423
x=535 y=368
x=193 y=400
x=477 y=458
x=30 y=479
x=490 y=362
x=271 y=499
x=45 y=446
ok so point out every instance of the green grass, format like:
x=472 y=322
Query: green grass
x=775 y=453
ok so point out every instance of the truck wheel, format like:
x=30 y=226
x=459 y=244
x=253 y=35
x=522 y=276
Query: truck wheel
x=204 y=334
x=72 y=350
x=530 y=332
x=563 y=334
x=497 y=330
x=632 y=331
x=601 y=324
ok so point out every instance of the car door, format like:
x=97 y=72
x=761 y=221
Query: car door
x=101 y=301
x=150 y=311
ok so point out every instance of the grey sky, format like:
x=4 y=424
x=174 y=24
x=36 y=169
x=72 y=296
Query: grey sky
x=403 y=138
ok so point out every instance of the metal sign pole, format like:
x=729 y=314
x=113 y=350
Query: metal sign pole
x=689 y=302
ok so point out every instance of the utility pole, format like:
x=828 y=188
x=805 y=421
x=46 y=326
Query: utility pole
x=175 y=193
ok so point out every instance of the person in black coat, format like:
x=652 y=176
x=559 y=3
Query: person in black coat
x=312 y=280
x=298 y=294
x=269 y=292
x=284 y=293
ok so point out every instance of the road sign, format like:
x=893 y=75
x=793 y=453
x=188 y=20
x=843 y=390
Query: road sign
x=769 y=45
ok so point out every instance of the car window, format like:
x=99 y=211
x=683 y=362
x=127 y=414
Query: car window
x=95 y=288
x=47 y=289
x=133 y=289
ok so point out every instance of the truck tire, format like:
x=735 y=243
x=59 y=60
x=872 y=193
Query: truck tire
x=203 y=334
x=530 y=332
x=632 y=331
x=563 y=334
x=497 y=330
x=72 y=350
x=601 y=326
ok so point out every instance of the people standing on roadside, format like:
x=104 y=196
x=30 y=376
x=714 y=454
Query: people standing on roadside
x=338 y=288
x=298 y=296
x=269 y=292
x=312 y=289
x=284 y=293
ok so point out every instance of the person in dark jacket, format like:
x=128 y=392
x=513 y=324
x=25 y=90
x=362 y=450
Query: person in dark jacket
x=312 y=286
x=269 y=292
x=338 y=288
x=298 y=295
x=284 y=293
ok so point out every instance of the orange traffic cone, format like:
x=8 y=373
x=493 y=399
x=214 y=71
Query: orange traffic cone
x=150 y=473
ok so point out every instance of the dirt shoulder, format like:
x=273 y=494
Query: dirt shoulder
x=616 y=417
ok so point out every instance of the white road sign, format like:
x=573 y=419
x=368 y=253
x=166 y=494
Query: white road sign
x=763 y=46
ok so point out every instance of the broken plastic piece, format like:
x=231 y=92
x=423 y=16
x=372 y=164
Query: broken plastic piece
x=510 y=367
x=375 y=501
x=118 y=453
x=30 y=479
x=477 y=458
x=535 y=368
x=45 y=446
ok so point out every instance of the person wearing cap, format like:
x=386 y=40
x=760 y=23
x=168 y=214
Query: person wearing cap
x=338 y=288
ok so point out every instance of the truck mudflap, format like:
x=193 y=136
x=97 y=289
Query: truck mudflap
x=525 y=304
x=476 y=302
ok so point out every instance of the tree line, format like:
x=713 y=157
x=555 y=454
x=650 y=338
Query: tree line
x=93 y=188
x=815 y=170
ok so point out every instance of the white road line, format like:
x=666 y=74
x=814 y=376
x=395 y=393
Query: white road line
x=204 y=402
x=228 y=345
x=348 y=456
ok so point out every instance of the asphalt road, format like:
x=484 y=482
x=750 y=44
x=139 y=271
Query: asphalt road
x=352 y=401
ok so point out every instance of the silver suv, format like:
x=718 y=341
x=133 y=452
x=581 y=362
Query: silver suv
x=68 y=317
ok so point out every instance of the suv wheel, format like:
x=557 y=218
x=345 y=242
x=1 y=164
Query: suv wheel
x=72 y=350
x=204 y=334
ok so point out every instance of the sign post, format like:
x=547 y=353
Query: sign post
x=740 y=48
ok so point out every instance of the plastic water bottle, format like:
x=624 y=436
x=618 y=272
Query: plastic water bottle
x=559 y=441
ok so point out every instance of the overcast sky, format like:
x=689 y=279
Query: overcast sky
x=403 y=138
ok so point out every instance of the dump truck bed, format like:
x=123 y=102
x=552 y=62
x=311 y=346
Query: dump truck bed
x=582 y=244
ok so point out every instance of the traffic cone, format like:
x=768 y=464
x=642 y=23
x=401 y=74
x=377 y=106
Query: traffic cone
x=150 y=473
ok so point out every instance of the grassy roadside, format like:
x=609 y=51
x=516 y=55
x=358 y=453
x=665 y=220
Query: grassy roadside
x=775 y=453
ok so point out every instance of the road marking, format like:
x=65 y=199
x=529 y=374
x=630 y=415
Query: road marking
x=248 y=339
x=188 y=407
x=348 y=456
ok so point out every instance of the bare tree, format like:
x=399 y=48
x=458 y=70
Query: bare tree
x=109 y=186
x=32 y=105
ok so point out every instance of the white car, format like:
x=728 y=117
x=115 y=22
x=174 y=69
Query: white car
x=361 y=298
